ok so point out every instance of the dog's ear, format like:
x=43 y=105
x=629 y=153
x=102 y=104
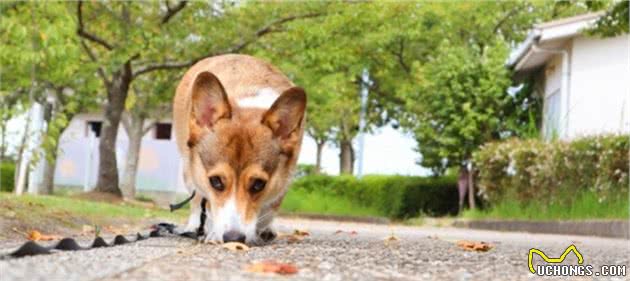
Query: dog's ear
x=285 y=115
x=210 y=102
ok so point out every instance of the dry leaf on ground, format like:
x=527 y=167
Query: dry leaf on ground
x=35 y=235
x=235 y=246
x=390 y=239
x=299 y=232
x=474 y=246
x=353 y=232
x=273 y=267
x=338 y=231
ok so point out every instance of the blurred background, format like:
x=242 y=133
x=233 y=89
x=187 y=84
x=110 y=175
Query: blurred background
x=416 y=109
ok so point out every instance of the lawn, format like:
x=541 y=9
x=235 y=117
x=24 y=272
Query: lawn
x=584 y=206
x=300 y=201
x=66 y=212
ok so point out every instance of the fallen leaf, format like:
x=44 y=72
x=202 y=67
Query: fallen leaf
x=353 y=232
x=273 y=267
x=338 y=231
x=35 y=235
x=235 y=246
x=114 y=230
x=474 y=246
x=391 y=238
x=301 y=232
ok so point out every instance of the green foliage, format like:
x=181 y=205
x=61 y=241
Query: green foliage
x=396 y=197
x=300 y=201
x=7 y=174
x=585 y=205
x=305 y=170
x=614 y=22
x=530 y=170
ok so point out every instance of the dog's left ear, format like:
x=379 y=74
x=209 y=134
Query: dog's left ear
x=285 y=116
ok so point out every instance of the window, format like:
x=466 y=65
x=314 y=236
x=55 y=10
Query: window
x=163 y=131
x=94 y=127
x=552 y=115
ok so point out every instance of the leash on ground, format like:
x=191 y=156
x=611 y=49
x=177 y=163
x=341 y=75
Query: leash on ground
x=31 y=248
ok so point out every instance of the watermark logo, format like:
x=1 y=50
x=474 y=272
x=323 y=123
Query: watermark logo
x=555 y=268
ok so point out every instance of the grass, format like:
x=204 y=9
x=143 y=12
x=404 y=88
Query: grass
x=318 y=202
x=585 y=206
x=69 y=209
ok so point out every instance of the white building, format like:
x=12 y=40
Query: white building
x=585 y=80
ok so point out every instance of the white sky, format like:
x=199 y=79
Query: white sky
x=387 y=151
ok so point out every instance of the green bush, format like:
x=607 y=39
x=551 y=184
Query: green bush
x=527 y=170
x=396 y=197
x=7 y=171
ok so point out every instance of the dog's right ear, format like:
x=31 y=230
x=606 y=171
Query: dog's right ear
x=209 y=104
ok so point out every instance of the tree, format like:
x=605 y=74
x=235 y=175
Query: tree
x=463 y=84
x=43 y=61
x=614 y=22
x=149 y=99
x=134 y=39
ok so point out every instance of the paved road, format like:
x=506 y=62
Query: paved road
x=422 y=253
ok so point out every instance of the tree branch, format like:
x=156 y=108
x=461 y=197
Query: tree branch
x=170 y=12
x=99 y=69
x=146 y=129
x=505 y=18
x=91 y=37
x=268 y=28
x=400 y=56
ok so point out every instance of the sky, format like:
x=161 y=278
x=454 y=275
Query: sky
x=387 y=151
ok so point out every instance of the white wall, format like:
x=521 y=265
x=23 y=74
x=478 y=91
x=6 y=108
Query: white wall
x=599 y=99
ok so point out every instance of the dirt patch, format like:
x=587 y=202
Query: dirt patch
x=99 y=197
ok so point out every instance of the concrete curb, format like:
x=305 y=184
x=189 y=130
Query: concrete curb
x=602 y=228
x=374 y=220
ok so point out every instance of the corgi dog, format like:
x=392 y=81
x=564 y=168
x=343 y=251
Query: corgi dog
x=238 y=124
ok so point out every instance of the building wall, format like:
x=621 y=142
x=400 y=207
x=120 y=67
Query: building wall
x=77 y=165
x=599 y=99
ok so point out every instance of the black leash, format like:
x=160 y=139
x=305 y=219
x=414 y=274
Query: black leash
x=31 y=248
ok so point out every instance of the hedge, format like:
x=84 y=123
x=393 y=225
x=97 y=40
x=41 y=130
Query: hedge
x=539 y=170
x=397 y=197
x=7 y=171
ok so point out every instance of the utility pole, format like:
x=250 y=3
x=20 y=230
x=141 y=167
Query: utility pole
x=365 y=88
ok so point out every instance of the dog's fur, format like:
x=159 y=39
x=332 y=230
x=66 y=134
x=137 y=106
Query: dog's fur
x=240 y=119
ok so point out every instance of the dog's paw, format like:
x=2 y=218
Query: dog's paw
x=268 y=235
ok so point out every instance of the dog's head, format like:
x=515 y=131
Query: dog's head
x=242 y=158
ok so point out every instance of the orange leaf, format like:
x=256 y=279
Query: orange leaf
x=474 y=246
x=301 y=232
x=271 y=266
x=35 y=235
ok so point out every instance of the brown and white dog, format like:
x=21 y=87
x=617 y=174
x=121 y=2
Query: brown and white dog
x=239 y=124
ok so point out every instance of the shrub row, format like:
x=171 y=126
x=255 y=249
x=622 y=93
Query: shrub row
x=397 y=197
x=7 y=172
x=539 y=170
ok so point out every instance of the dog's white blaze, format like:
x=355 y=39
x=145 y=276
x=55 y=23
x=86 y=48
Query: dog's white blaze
x=263 y=98
x=229 y=219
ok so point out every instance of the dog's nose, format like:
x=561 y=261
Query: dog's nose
x=233 y=236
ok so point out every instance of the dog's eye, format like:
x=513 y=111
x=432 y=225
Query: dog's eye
x=216 y=183
x=257 y=186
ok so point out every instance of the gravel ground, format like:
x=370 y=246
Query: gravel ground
x=421 y=253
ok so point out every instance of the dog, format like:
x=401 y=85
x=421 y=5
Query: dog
x=238 y=123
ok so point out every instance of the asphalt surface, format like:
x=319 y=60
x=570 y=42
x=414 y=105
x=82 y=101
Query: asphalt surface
x=421 y=253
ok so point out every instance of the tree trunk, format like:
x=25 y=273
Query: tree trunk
x=19 y=183
x=462 y=186
x=135 y=131
x=48 y=181
x=346 y=158
x=471 y=188
x=3 y=129
x=116 y=95
x=318 y=160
